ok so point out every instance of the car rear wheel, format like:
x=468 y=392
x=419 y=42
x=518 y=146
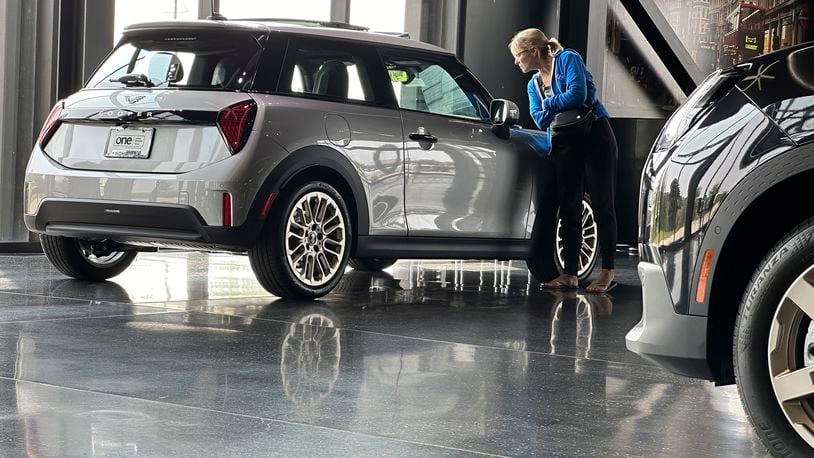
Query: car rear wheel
x=304 y=248
x=85 y=260
x=372 y=264
x=774 y=346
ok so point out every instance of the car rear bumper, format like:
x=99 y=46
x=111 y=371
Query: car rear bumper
x=673 y=341
x=136 y=223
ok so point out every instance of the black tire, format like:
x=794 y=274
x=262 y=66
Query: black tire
x=763 y=301
x=72 y=257
x=545 y=264
x=371 y=264
x=590 y=263
x=269 y=257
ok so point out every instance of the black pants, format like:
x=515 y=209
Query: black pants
x=600 y=178
x=593 y=162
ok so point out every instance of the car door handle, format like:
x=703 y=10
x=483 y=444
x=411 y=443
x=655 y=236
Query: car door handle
x=422 y=135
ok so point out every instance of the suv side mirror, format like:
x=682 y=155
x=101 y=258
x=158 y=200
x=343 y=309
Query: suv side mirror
x=503 y=114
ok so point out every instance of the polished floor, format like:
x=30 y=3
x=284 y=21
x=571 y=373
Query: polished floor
x=186 y=355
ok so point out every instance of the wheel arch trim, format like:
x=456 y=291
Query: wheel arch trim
x=310 y=158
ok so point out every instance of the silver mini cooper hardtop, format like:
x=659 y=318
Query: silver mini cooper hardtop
x=308 y=146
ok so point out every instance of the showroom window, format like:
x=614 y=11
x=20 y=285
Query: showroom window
x=130 y=12
x=368 y=13
x=720 y=33
x=318 y=10
x=636 y=84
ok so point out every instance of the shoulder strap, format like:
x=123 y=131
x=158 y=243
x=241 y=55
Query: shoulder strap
x=537 y=81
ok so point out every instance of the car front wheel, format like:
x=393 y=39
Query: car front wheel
x=774 y=346
x=547 y=260
x=304 y=248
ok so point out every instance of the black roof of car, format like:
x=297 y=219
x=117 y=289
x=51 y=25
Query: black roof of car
x=297 y=27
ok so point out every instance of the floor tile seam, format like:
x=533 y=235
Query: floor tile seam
x=253 y=417
x=144 y=303
x=74 y=318
x=423 y=339
x=82 y=299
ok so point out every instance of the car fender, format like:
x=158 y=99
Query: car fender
x=772 y=172
x=300 y=161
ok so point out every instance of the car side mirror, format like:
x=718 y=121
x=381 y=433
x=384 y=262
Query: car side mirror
x=504 y=114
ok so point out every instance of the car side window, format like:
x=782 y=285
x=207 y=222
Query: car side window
x=437 y=86
x=321 y=70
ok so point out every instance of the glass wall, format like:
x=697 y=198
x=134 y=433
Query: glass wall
x=130 y=12
x=318 y=10
x=635 y=83
x=367 y=13
x=721 y=33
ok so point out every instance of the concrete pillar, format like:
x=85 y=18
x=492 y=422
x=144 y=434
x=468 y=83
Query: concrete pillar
x=26 y=95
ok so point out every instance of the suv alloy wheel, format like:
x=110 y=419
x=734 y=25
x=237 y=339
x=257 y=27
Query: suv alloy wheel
x=774 y=341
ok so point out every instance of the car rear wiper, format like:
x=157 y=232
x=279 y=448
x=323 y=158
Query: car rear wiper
x=133 y=79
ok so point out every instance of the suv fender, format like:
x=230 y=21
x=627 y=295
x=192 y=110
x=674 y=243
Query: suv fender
x=741 y=218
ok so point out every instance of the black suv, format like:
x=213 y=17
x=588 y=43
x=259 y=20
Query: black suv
x=727 y=242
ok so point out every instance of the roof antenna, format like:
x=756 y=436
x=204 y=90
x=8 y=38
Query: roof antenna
x=215 y=16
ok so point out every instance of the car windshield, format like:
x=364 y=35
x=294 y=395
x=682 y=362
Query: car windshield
x=192 y=60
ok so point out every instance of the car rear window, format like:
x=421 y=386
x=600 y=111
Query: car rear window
x=189 y=60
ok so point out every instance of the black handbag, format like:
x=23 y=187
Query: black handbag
x=573 y=123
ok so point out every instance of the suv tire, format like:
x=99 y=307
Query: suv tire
x=74 y=258
x=372 y=264
x=297 y=246
x=765 y=310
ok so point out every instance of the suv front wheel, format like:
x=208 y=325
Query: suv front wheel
x=305 y=244
x=83 y=259
x=774 y=346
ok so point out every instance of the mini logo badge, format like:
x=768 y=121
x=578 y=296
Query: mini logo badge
x=131 y=99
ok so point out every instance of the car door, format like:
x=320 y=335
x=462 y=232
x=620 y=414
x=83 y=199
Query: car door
x=339 y=103
x=462 y=180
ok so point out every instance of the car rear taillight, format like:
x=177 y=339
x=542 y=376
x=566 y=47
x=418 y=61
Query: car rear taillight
x=235 y=124
x=50 y=125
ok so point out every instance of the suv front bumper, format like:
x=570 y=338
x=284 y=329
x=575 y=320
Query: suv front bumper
x=676 y=342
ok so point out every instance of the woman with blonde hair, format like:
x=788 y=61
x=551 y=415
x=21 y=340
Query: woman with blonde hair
x=561 y=85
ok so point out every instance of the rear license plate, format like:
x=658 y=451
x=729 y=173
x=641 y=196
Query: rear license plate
x=130 y=142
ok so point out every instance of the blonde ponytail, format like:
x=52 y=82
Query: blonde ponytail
x=534 y=39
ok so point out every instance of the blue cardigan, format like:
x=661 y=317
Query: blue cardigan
x=573 y=87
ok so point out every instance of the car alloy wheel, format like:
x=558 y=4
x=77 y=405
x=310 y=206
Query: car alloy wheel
x=108 y=259
x=588 y=250
x=791 y=355
x=315 y=238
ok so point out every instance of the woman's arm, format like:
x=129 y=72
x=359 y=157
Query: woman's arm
x=576 y=86
x=541 y=116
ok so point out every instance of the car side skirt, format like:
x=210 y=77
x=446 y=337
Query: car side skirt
x=442 y=248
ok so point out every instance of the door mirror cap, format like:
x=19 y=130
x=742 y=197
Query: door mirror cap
x=503 y=113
